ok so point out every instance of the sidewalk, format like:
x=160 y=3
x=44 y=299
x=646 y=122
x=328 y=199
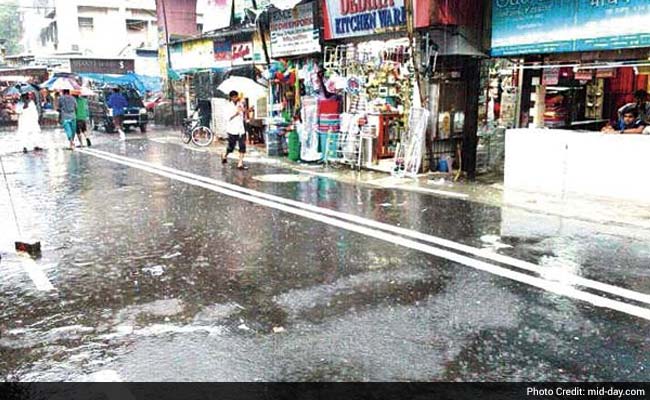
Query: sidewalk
x=486 y=190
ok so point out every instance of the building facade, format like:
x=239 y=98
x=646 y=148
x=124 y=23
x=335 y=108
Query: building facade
x=110 y=29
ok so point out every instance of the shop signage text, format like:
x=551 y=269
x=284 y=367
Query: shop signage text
x=553 y=26
x=293 y=32
x=347 y=18
x=551 y=76
x=101 y=66
x=242 y=53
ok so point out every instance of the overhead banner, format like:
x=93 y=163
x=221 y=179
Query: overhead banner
x=350 y=18
x=194 y=54
x=554 y=26
x=242 y=5
x=293 y=32
x=177 y=16
x=216 y=14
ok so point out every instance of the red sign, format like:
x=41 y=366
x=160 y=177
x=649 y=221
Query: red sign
x=445 y=12
x=584 y=75
x=606 y=73
x=242 y=53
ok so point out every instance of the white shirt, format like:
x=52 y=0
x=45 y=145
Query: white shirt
x=234 y=126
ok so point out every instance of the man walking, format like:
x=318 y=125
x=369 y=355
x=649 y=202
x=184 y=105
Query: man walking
x=82 y=119
x=68 y=115
x=235 y=129
x=117 y=103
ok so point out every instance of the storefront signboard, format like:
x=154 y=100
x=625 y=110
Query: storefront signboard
x=551 y=76
x=293 y=32
x=57 y=64
x=242 y=53
x=554 y=26
x=350 y=18
x=222 y=52
x=584 y=75
x=192 y=54
x=606 y=73
x=101 y=65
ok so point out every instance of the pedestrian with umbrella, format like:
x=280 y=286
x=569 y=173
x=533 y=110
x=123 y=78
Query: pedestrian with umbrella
x=28 y=126
x=68 y=110
x=235 y=129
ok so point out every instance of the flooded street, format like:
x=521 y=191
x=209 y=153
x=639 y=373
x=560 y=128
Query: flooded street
x=160 y=264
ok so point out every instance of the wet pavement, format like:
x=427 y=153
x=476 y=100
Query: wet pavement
x=157 y=278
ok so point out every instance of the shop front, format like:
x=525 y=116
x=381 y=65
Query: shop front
x=582 y=106
x=369 y=71
x=292 y=102
x=451 y=51
x=201 y=64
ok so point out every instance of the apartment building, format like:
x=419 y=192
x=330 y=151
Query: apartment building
x=93 y=28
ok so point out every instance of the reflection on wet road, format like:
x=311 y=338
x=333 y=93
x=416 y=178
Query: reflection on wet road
x=159 y=279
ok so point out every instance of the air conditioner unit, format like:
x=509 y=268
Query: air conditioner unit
x=75 y=47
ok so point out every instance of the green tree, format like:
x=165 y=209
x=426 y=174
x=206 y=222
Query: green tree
x=11 y=28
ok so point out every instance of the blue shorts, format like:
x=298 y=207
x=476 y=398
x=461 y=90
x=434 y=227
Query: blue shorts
x=70 y=128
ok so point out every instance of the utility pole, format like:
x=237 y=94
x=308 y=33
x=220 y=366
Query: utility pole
x=3 y=50
x=169 y=61
x=260 y=30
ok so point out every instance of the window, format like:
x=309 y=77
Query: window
x=136 y=25
x=86 y=23
x=199 y=28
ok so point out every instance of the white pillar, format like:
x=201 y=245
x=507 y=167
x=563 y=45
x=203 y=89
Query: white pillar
x=540 y=105
x=188 y=106
x=67 y=25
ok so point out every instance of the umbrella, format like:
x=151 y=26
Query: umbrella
x=19 y=89
x=248 y=87
x=11 y=91
x=27 y=88
x=62 y=84
x=84 y=91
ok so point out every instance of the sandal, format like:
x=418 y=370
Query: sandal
x=224 y=159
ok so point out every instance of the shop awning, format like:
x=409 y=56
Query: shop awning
x=141 y=83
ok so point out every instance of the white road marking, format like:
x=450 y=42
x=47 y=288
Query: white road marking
x=567 y=278
x=554 y=287
x=36 y=274
x=432 y=191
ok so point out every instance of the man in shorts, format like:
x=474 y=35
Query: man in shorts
x=68 y=116
x=82 y=119
x=117 y=103
x=235 y=129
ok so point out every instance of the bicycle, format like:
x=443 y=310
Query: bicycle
x=196 y=133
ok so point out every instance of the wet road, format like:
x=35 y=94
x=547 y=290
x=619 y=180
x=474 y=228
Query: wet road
x=159 y=275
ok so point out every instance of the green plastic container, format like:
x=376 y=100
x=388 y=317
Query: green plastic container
x=293 y=144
